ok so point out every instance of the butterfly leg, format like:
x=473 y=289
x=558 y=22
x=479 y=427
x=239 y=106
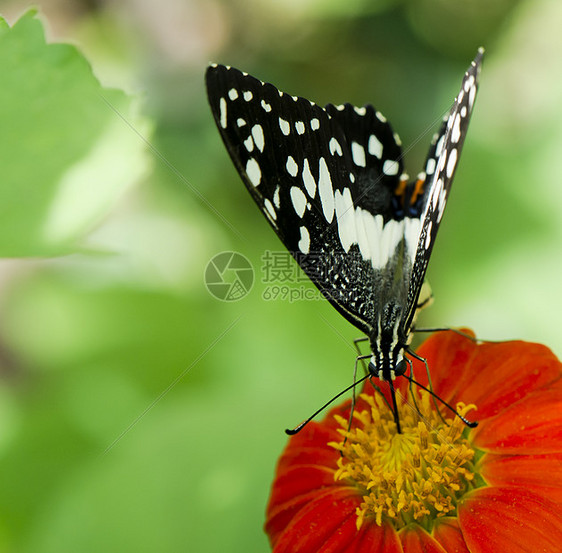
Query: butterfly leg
x=445 y=329
x=424 y=361
x=411 y=385
x=356 y=343
x=459 y=332
x=362 y=358
x=353 y=396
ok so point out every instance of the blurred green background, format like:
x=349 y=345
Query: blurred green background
x=137 y=412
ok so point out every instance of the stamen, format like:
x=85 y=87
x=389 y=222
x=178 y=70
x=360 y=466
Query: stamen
x=415 y=475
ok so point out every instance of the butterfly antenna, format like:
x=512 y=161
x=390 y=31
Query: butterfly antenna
x=298 y=428
x=468 y=423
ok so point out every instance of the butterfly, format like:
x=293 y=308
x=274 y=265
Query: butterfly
x=330 y=181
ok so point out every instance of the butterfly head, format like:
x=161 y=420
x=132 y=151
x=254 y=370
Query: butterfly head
x=388 y=365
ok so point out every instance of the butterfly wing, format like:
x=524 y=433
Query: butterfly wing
x=326 y=180
x=440 y=169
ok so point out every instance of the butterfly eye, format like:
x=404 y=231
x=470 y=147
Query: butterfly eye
x=401 y=367
x=373 y=367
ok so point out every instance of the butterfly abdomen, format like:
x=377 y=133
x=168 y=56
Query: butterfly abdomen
x=388 y=341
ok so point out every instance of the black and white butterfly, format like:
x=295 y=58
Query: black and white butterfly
x=330 y=182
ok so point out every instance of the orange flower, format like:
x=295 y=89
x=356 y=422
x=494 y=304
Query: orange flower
x=439 y=486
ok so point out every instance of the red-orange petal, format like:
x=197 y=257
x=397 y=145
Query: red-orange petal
x=316 y=434
x=374 y=539
x=299 y=480
x=448 y=533
x=447 y=354
x=415 y=539
x=510 y=520
x=328 y=523
x=531 y=426
x=541 y=474
x=502 y=374
x=293 y=490
x=323 y=457
x=491 y=375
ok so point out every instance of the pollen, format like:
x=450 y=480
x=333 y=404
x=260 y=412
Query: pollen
x=418 y=475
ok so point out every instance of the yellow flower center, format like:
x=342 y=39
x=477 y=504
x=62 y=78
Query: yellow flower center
x=414 y=476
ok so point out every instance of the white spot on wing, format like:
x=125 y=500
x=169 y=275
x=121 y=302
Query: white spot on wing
x=299 y=126
x=299 y=200
x=270 y=209
x=392 y=233
x=456 y=132
x=428 y=236
x=451 y=162
x=284 y=126
x=430 y=167
x=377 y=242
x=361 y=234
x=390 y=167
x=380 y=117
x=265 y=106
x=345 y=214
x=441 y=208
x=358 y=154
x=412 y=228
x=292 y=167
x=360 y=111
x=240 y=122
x=248 y=95
x=257 y=133
x=308 y=179
x=471 y=96
x=304 y=242
x=437 y=192
x=442 y=161
x=315 y=124
x=222 y=111
x=335 y=147
x=276 y=200
x=326 y=191
x=450 y=121
x=253 y=171
x=233 y=94
x=249 y=144
x=439 y=146
x=375 y=146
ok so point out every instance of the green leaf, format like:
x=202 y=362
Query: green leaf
x=69 y=147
